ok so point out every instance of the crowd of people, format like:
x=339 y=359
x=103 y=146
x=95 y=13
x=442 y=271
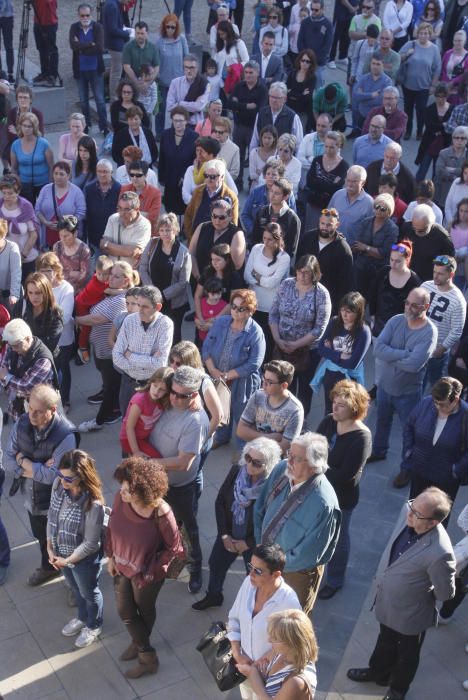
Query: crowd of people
x=110 y=252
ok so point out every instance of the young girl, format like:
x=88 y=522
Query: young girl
x=211 y=305
x=143 y=412
x=211 y=74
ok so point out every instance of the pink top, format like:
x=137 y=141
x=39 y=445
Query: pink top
x=459 y=237
x=76 y=266
x=151 y=412
x=209 y=312
x=69 y=150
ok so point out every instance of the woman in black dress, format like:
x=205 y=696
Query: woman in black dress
x=301 y=85
x=434 y=138
x=326 y=175
x=176 y=154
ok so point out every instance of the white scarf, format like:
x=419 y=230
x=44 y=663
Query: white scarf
x=143 y=145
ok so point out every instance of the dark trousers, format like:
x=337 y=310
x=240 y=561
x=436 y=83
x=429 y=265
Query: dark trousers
x=39 y=531
x=329 y=381
x=341 y=38
x=396 y=658
x=137 y=609
x=177 y=317
x=262 y=319
x=415 y=99
x=6 y=28
x=184 y=502
x=128 y=386
x=91 y=79
x=46 y=44
x=449 y=607
x=300 y=385
x=111 y=386
x=220 y=562
x=4 y=543
x=241 y=136
x=62 y=364
x=238 y=14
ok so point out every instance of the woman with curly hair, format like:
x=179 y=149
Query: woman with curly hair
x=74 y=531
x=142 y=539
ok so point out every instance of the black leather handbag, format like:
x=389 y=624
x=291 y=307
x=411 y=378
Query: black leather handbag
x=216 y=650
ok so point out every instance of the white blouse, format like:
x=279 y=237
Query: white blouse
x=271 y=277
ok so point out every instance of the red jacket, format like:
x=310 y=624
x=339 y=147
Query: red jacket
x=92 y=294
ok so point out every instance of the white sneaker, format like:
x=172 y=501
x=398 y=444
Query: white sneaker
x=87 y=426
x=331 y=64
x=87 y=637
x=73 y=627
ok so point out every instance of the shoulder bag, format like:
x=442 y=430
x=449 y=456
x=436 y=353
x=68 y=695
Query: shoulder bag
x=403 y=69
x=216 y=651
x=224 y=394
x=176 y=564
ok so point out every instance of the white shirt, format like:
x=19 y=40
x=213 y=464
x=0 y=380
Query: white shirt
x=65 y=298
x=121 y=175
x=250 y=631
x=136 y=234
x=271 y=277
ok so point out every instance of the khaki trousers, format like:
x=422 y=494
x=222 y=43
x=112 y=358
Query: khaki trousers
x=306 y=584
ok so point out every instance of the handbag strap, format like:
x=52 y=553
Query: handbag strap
x=54 y=200
x=32 y=161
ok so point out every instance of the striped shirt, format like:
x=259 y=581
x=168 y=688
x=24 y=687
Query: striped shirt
x=149 y=349
x=447 y=311
x=274 y=682
x=110 y=308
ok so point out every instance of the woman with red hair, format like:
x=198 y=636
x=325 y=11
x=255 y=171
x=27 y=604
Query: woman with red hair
x=172 y=47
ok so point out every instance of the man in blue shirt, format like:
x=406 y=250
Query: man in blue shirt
x=368 y=91
x=371 y=146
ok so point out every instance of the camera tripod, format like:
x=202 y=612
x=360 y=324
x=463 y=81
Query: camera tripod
x=23 y=42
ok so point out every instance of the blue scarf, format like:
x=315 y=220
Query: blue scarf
x=244 y=494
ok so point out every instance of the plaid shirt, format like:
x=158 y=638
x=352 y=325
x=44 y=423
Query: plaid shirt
x=149 y=349
x=459 y=117
x=40 y=373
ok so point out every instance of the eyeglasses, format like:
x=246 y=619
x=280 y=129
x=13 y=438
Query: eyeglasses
x=254 y=570
x=211 y=177
x=459 y=138
x=178 y=395
x=220 y=132
x=137 y=175
x=442 y=260
x=400 y=249
x=268 y=382
x=170 y=26
x=257 y=463
x=330 y=212
x=66 y=479
x=380 y=207
x=88 y=15
x=219 y=217
x=240 y=309
x=409 y=505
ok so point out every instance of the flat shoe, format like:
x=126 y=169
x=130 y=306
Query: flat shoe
x=364 y=675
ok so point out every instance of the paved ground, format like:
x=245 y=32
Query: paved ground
x=37 y=662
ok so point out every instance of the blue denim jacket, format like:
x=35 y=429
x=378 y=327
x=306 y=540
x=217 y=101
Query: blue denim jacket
x=247 y=354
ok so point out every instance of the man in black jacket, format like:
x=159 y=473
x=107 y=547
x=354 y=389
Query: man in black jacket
x=333 y=253
x=278 y=211
x=277 y=114
x=87 y=43
x=38 y=440
x=247 y=98
x=391 y=163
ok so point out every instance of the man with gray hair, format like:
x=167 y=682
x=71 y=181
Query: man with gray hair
x=143 y=343
x=127 y=232
x=396 y=119
x=298 y=509
x=245 y=101
x=428 y=238
x=101 y=196
x=179 y=436
x=277 y=114
x=351 y=202
x=391 y=163
x=191 y=91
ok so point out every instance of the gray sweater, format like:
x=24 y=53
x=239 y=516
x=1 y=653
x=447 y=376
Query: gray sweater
x=402 y=355
x=422 y=66
x=10 y=269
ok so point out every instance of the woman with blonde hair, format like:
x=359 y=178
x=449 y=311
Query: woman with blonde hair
x=74 y=532
x=68 y=143
x=40 y=310
x=289 y=671
x=31 y=157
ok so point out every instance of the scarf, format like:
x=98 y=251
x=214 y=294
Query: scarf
x=245 y=493
x=143 y=144
x=199 y=174
x=65 y=516
x=26 y=214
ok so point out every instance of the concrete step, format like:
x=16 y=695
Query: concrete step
x=50 y=101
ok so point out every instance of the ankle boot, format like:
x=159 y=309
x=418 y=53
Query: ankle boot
x=148 y=662
x=130 y=653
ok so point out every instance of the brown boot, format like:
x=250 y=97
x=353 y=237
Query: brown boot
x=148 y=662
x=130 y=653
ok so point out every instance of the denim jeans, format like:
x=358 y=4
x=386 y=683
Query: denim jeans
x=4 y=544
x=184 y=6
x=6 y=28
x=424 y=166
x=437 y=367
x=83 y=579
x=386 y=406
x=184 y=502
x=91 y=79
x=219 y=562
x=336 y=567
x=46 y=44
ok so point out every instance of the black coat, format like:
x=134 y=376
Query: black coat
x=223 y=504
x=406 y=181
x=122 y=140
x=173 y=162
x=434 y=132
x=290 y=225
x=426 y=248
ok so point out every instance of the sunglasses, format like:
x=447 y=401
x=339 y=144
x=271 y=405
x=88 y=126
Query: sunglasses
x=66 y=479
x=218 y=131
x=305 y=60
x=170 y=26
x=380 y=207
x=273 y=17
x=258 y=464
x=330 y=212
x=254 y=570
x=240 y=309
x=88 y=15
x=178 y=395
x=442 y=260
x=400 y=249
x=137 y=175
x=219 y=217
x=211 y=177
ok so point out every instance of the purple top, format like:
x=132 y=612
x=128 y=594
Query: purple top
x=74 y=203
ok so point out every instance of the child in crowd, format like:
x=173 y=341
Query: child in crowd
x=212 y=305
x=91 y=295
x=147 y=91
x=144 y=410
x=132 y=308
x=211 y=74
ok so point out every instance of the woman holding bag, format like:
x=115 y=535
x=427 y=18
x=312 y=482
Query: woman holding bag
x=142 y=540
